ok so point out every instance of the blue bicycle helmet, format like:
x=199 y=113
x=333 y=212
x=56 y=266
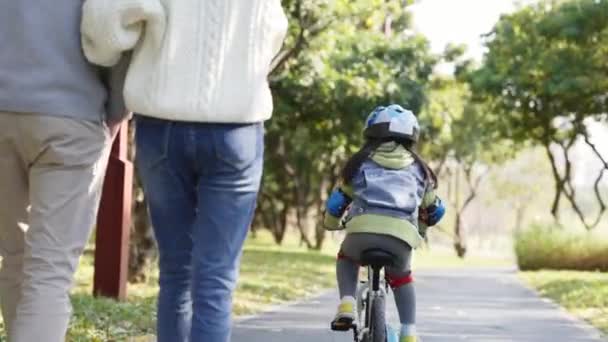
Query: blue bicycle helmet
x=392 y=122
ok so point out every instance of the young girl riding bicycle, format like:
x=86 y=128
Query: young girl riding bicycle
x=386 y=200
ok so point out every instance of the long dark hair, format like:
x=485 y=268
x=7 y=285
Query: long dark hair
x=370 y=146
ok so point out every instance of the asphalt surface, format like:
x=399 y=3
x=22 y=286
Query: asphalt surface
x=482 y=305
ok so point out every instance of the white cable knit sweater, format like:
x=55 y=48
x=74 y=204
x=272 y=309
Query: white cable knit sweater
x=193 y=60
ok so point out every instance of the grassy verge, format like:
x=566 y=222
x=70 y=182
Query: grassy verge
x=569 y=267
x=269 y=275
x=585 y=294
x=272 y=274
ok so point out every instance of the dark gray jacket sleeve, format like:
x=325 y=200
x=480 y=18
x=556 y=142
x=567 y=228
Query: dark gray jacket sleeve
x=114 y=79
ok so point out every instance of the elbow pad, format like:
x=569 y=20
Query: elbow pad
x=337 y=202
x=435 y=212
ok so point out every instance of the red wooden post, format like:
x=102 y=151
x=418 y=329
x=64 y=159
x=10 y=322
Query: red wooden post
x=113 y=223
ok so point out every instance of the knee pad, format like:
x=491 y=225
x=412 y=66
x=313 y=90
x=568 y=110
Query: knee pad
x=397 y=282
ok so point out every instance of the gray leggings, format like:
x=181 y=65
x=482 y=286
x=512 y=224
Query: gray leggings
x=347 y=269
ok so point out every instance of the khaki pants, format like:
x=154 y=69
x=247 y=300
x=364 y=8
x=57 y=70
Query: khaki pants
x=51 y=172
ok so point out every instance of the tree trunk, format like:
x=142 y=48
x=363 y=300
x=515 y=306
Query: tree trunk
x=142 y=249
x=279 y=230
x=559 y=184
x=301 y=194
x=319 y=237
x=304 y=240
x=473 y=185
x=143 y=245
x=320 y=232
x=328 y=182
x=520 y=213
x=459 y=240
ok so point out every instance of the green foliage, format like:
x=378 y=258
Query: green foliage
x=546 y=62
x=457 y=127
x=101 y=320
x=544 y=79
x=583 y=293
x=543 y=247
x=347 y=69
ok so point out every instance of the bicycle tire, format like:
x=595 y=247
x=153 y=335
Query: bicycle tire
x=378 y=320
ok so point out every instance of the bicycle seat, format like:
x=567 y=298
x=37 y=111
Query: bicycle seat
x=376 y=257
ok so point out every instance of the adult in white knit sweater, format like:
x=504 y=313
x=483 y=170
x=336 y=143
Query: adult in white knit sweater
x=198 y=81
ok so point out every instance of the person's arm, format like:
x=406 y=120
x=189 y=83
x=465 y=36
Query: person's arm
x=336 y=206
x=110 y=27
x=114 y=80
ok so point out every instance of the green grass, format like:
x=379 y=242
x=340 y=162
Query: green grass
x=585 y=294
x=571 y=269
x=546 y=247
x=99 y=319
x=270 y=275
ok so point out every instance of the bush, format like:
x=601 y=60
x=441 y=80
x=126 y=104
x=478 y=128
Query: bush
x=541 y=247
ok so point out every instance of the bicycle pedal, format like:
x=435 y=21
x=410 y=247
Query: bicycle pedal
x=342 y=325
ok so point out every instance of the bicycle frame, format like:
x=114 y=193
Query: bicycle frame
x=365 y=297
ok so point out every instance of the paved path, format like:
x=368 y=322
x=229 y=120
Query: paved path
x=482 y=305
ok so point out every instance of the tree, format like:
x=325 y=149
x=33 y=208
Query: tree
x=544 y=77
x=456 y=138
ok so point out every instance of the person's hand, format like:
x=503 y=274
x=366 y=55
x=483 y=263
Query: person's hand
x=423 y=215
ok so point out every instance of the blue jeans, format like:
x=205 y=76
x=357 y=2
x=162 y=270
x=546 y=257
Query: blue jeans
x=201 y=182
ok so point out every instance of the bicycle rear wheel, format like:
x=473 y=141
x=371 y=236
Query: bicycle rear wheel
x=378 y=320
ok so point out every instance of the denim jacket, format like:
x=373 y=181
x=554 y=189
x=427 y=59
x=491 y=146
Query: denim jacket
x=387 y=194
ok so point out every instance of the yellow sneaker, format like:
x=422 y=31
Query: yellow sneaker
x=345 y=316
x=409 y=339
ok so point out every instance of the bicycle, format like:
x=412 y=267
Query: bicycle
x=371 y=300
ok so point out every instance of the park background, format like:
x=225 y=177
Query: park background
x=512 y=96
